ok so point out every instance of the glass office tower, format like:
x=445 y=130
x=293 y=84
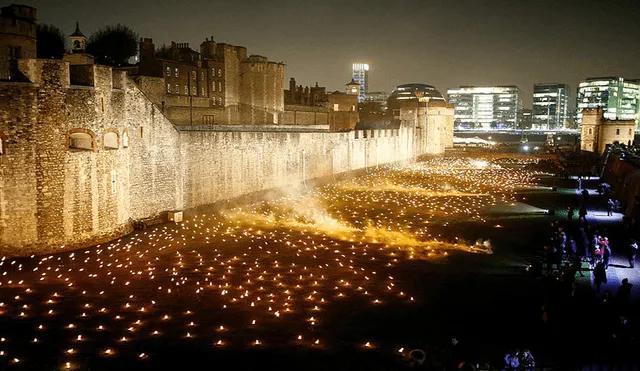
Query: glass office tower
x=615 y=95
x=487 y=107
x=550 y=106
x=361 y=76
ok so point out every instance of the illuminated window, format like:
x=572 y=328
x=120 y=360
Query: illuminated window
x=177 y=73
x=110 y=140
x=219 y=85
x=220 y=72
x=336 y=106
x=177 y=89
x=1 y=146
x=194 y=91
x=125 y=139
x=168 y=71
x=186 y=90
x=213 y=86
x=219 y=101
x=202 y=93
x=81 y=140
x=201 y=75
x=168 y=88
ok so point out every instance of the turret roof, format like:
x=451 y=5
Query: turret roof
x=77 y=31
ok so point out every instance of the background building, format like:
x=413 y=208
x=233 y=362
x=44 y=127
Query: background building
x=17 y=38
x=219 y=84
x=617 y=97
x=361 y=76
x=526 y=122
x=486 y=107
x=598 y=131
x=550 y=106
x=315 y=96
x=413 y=92
x=378 y=97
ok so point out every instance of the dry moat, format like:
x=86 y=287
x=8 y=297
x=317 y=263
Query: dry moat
x=350 y=272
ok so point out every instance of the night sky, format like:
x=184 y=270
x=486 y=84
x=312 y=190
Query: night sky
x=442 y=43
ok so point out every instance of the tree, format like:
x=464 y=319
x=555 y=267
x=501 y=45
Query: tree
x=51 y=42
x=113 y=45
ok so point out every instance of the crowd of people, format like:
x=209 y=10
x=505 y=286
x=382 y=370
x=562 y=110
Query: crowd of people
x=587 y=250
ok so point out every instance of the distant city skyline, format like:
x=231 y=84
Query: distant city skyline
x=441 y=43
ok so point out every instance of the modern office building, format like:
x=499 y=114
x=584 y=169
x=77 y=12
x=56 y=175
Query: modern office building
x=526 y=120
x=413 y=92
x=361 y=76
x=379 y=97
x=486 y=107
x=550 y=106
x=619 y=98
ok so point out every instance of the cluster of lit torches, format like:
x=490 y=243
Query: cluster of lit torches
x=237 y=275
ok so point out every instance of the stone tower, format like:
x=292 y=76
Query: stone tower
x=17 y=38
x=78 y=41
x=353 y=88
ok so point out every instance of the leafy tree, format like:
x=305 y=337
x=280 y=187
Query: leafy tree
x=113 y=45
x=51 y=42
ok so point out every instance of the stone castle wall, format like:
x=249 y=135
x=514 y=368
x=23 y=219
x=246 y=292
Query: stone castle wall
x=53 y=195
x=136 y=165
x=223 y=165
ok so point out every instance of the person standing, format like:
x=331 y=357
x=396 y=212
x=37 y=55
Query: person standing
x=599 y=276
x=582 y=213
x=570 y=212
x=606 y=253
x=631 y=253
x=624 y=291
x=577 y=265
x=610 y=207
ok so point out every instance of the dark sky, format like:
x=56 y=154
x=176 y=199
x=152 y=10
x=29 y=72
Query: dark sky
x=445 y=43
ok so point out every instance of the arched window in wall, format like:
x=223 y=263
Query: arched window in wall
x=81 y=139
x=110 y=140
x=125 y=138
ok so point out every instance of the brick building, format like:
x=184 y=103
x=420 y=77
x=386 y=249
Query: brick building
x=219 y=84
x=315 y=96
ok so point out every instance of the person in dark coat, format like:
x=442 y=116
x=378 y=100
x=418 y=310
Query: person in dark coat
x=582 y=214
x=610 y=207
x=585 y=195
x=599 y=276
x=606 y=253
x=577 y=265
x=573 y=248
x=624 y=291
x=631 y=253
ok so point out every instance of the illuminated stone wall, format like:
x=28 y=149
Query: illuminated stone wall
x=598 y=132
x=223 y=165
x=134 y=164
x=52 y=195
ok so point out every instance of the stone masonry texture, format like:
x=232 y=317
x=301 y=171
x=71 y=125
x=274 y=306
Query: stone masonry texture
x=135 y=165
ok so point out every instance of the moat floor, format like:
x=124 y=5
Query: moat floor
x=351 y=276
